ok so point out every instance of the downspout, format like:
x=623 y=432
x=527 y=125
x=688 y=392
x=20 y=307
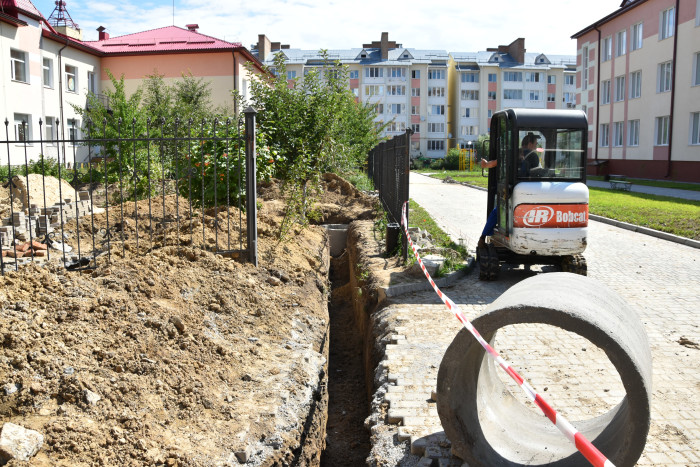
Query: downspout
x=60 y=104
x=597 y=97
x=673 y=91
x=235 y=83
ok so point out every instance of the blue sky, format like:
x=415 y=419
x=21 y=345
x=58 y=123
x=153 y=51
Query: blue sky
x=469 y=26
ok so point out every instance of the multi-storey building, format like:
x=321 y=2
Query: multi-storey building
x=446 y=99
x=48 y=70
x=638 y=78
x=504 y=77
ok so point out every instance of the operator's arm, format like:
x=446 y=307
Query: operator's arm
x=488 y=164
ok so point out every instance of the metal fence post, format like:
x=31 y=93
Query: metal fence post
x=251 y=186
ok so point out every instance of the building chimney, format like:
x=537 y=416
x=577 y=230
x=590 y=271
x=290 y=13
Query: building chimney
x=516 y=49
x=103 y=35
x=385 y=46
x=192 y=27
x=264 y=47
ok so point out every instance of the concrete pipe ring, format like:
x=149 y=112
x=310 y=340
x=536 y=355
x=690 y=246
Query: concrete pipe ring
x=488 y=426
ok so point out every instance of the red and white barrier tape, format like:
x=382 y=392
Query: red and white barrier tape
x=590 y=452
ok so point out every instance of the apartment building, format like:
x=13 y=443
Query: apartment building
x=447 y=99
x=48 y=69
x=505 y=77
x=638 y=78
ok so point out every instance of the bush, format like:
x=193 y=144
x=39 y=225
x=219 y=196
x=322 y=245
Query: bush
x=437 y=164
x=452 y=159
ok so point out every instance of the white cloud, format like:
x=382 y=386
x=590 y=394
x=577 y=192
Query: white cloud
x=472 y=26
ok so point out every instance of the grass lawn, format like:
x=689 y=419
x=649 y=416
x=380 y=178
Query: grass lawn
x=659 y=183
x=473 y=178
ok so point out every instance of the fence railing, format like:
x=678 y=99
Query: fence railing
x=388 y=166
x=125 y=187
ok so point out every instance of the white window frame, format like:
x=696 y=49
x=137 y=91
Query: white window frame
x=532 y=76
x=47 y=72
x=415 y=110
x=667 y=23
x=620 y=88
x=469 y=94
x=551 y=97
x=436 y=145
x=621 y=43
x=436 y=127
x=73 y=129
x=291 y=74
x=535 y=96
x=513 y=76
x=584 y=70
x=661 y=131
x=436 y=73
x=635 y=84
x=436 y=91
x=397 y=72
x=618 y=134
x=664 y=77
x=415 y=74
x=437 y=109
x=19 y=66
x=605 y=92
x=491 y=95
x=71 y=71
x=470 y=77
x=696 y=68
x=637 y=36
x=415 y=127
x=571 y=78
x=633 y=133
x=694 y=128
x=493 y=77
x=510 y=94
x=415 y=92
x=354 y=74
x=374 y=72
x=606 y=49
x=551 y=79
x=604 y=135
x=22 y=133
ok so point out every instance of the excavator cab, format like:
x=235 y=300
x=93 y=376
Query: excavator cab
x=538 y=189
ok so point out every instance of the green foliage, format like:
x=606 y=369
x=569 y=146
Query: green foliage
x=359 y=180
x=452 y=159
x=437 y=164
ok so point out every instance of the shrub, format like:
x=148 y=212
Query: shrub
x=437 y=164
x=452 y=159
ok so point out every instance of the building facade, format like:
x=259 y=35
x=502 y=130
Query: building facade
x=638 y=79
x=447 y=99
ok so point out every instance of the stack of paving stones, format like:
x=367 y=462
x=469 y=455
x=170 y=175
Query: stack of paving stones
x=20 y=228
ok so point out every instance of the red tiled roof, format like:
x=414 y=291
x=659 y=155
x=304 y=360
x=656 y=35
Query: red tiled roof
x=167 y=39
x=24 y=6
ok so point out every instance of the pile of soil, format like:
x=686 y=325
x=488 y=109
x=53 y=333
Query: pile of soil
x=167 y=353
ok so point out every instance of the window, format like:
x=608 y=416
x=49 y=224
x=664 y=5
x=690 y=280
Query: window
x=492 y=95
x=492 y=77
x=22 y=127
x=584 y=71
x=635 y=84
x=396 y=109
x=570 y=99
x=664 y=78
x=436 y=92
x=379 y=108
x=551 y=97
x=605 y=92
x=49 y=130
x=355 y=92
x=551 y=79
x=415 y=127
x=633 y=133
x=621 y=43
x=396 y=127
x=397 y=72
x=18 y=64
x=415 y=146
x=291 y=74
x=470 y=77
x=435 y=73
x=396 y=90
x=512 y=76
x=514 y=94
x=534 y=96
x=619 y=88
x=469 y=95
x=618 y=134
x=607 y=49
x=570 y=79
x=467 y=130
x=436 y=145
x=415 y=110
x=668 y=23
x=47 y=66
x=637 y=36
x=604 y=135
x=437 y=110
x=71 y=78
x=374 y=72
x=532 y=77
x=661 y=131
x=695 y=128
x=471 y=113
x=696 y=69
x=436 y=127
x=415 y=92
x=354 y=74
x=374 y=90
x=489 y=113
x=73 y=129
x=415 y=74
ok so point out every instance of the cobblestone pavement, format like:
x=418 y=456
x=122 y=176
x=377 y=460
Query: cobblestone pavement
x=659 y=278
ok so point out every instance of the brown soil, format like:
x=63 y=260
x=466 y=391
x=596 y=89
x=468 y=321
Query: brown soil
x=195 y=356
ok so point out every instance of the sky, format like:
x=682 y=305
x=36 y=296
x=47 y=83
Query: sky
x=468 y=26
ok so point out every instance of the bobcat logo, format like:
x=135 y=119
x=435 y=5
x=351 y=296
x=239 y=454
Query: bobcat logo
x=538 y=216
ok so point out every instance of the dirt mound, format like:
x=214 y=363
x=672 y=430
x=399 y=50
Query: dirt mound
x=169 y=354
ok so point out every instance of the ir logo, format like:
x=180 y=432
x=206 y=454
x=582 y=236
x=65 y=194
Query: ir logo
x=538 y=216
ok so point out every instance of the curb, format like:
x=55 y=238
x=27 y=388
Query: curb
x=448 y=280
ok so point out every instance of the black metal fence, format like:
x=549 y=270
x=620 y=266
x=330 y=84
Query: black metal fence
x=123 y=188
x=388 y=166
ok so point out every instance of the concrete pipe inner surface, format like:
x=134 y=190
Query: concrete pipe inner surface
x=488 y=426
